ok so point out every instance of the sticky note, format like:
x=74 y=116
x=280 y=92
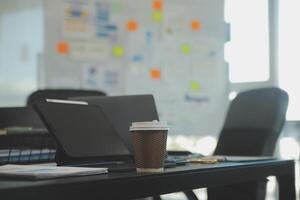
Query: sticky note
x=137 y=58
x=63 y=48
x=196 y=25
x=84 y=14
x=185 y=49
x=155 y=74
x=116 y=7
x=157 y=16
x=195 y=86
x=68 y=12
x=118 y=51
x=157 y=4
x=132 y=25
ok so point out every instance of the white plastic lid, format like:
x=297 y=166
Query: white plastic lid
x=149 y=126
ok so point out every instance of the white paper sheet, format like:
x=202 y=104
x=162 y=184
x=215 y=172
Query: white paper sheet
x=46 y=172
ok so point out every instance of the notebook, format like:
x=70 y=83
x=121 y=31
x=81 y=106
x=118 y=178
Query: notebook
x=225 y=158
x=243 y=158
x=46 y=172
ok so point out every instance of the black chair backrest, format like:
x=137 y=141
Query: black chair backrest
x=19 y=116
x=253 y=123
x=60 y=94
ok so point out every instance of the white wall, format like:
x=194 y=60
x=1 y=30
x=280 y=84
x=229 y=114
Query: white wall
x=21 y=40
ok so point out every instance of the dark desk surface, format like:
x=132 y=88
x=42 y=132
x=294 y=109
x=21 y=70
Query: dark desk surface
x=131 y=185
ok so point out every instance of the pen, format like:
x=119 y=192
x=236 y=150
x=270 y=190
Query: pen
x=204 y=161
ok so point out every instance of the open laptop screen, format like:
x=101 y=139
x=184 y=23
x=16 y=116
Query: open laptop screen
x=81 y=130
x=123 y=110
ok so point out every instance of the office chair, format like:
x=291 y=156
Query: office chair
x=19 y=116
x=253 y=124
x=61 y=94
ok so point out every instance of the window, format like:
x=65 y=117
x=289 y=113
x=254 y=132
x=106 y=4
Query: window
x=248 y=50
x=289 y=56
x=21 y=41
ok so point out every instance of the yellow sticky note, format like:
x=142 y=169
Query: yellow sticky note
x=118 y=51
x=195 y=86
x=157 y=16
x=185 y=49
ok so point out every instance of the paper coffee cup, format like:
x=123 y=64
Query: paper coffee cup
x=149 y=141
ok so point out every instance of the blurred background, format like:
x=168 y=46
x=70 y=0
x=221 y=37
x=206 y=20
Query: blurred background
x=194 y=56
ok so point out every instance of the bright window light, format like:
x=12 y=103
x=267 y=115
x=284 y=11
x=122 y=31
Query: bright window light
x=184 y=142
x=271 y=187
x=289 y=148
x=248 y=50
x=232 y=95
x=289 y=61
x=206 y=145
x=173 y=196
x=21 y=42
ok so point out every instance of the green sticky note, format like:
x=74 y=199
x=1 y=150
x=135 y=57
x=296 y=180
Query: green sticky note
x=118 y=51
x=185 y=49
x=157 y=16
x=116 y=7
x=195 y=86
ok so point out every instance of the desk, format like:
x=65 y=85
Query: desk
x=130 y=185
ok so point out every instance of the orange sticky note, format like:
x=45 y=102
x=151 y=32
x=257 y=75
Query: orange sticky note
x=132 y=25
x=155 y=74
x=196 y=25
x=157 y=5
x=63 y=48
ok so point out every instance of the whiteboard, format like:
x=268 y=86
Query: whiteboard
x=172 y=49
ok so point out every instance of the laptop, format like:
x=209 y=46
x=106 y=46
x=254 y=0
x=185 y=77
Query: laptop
x=123 y=110
x=84 y=134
